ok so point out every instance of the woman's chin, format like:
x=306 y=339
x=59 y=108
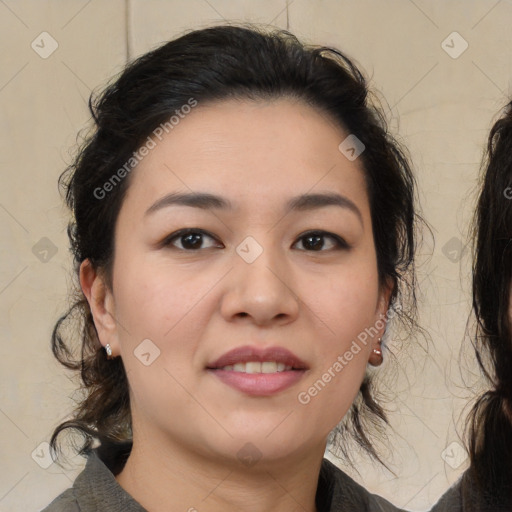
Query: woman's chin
x=254 y=449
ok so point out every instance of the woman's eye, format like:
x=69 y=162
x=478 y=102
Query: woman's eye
x=191 y=240
x=321 y=241
x=196 y=239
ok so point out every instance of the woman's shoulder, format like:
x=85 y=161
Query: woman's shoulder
x=451 y=500
x=65 y=502
x=96 y=487
x=70 y=499
x=467 y=496
x=338 y=492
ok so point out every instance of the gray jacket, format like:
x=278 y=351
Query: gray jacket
x=96 y=489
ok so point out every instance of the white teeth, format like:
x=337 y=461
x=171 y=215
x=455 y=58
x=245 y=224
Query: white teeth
x=257 y=367
x=268 y=367
x=253 y=367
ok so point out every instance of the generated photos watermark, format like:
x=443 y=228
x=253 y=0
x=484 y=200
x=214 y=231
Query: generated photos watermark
x=304 y=397
x=143 y=151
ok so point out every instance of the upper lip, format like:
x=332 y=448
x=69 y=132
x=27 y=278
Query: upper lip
x=248 y=353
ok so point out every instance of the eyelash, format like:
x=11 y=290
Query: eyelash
x=340 y=243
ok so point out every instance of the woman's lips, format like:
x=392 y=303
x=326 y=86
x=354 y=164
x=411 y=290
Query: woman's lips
x=258 y=371
x=251 y=353
x=258 y=384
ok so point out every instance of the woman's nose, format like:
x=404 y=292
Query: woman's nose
x=260 y=286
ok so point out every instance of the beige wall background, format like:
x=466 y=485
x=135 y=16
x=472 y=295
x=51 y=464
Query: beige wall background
x=441 y=100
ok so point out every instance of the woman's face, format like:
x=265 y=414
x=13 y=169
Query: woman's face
x=245 y=239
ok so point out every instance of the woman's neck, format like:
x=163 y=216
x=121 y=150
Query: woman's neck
x=159 y=475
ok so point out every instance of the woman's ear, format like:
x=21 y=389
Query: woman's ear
x=101 y=303
x=386 y=290
x=381 y=319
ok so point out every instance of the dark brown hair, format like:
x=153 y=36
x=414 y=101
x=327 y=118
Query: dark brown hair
x=220 y=63
x=489 y=431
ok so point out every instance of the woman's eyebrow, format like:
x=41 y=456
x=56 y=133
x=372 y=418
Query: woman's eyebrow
x=208 y=201
x=306 y=202
x=201 y=200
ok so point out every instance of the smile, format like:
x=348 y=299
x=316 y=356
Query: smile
x=258 y=371
x=257 y=367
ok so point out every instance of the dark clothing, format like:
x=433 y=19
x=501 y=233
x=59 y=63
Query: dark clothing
x=464 y=496
x=451 y=501
x=96 y=489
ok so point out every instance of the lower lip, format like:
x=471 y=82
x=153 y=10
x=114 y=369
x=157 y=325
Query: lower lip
x=259 y=384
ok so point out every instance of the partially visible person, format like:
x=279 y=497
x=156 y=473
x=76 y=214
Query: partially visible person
x=487 y=485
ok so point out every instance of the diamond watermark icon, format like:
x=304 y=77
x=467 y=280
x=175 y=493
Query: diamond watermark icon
x=42 y=456
x=454 y=249
x=249 y=249
x=454 y=45
x=44 y=45
x=454 y=455
x=249 y=455
x=44 y=250
x=147 y=352
x=351 y=147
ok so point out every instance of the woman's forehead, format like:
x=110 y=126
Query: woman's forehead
x=249 y=145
